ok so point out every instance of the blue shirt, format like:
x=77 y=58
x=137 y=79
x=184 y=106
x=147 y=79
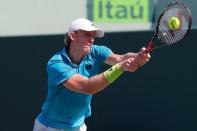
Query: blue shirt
x=63 y=108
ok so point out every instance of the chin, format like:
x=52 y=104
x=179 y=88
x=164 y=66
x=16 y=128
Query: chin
x=86 y=51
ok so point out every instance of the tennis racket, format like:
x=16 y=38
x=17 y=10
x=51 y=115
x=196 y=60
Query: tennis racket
x=166 y=36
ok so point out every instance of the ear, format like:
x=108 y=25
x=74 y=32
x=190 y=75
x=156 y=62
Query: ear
x=72 y=35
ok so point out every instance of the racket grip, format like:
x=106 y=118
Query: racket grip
x=150 y=47
x=148 y=50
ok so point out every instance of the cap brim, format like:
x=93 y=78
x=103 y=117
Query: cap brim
x=99 y=33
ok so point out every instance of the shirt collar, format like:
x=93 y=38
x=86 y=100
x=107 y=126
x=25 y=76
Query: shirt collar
x=64 y=52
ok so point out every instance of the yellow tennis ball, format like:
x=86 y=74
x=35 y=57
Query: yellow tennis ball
x=174 y=23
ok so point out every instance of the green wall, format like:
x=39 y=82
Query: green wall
x=161 y=96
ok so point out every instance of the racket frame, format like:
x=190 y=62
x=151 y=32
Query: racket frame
x=151 y=44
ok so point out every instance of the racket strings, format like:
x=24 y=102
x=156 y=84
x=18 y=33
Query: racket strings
x=167 y=35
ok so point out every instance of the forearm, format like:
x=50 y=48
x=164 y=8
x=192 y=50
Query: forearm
x=82 y=84
x=95 y=84
x=92 y=85
x=116 y=58
x=102 y=80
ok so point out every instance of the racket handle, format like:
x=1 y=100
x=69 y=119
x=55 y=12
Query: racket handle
x=148 y=50
x=150 y=47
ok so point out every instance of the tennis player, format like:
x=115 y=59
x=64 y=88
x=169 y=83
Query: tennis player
x=73 y=77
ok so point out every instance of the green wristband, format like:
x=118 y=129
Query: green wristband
x=113 y=73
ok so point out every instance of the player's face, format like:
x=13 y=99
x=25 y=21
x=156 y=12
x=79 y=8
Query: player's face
x=84 y=40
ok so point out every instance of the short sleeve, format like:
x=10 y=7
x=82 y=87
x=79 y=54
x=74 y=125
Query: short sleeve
x=102 y=52
x=58 y=72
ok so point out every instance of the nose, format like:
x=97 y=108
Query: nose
x=91 y=39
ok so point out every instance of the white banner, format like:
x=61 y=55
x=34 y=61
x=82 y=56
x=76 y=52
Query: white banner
x=49 y=17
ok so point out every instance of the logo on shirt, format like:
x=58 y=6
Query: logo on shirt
x=88 y=66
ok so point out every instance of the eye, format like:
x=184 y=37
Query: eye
x=91 y=34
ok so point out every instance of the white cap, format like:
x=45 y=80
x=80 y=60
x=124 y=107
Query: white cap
x=86 y=25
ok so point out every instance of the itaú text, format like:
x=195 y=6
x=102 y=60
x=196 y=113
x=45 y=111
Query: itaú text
x=121 y=11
